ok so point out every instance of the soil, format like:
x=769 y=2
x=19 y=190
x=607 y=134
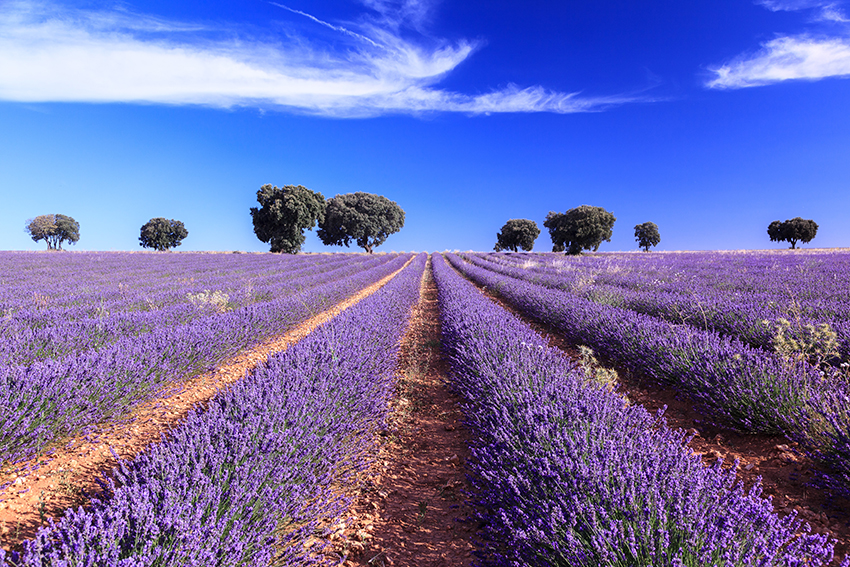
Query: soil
x=787 y=476
x=412 y=507
x=66 y=473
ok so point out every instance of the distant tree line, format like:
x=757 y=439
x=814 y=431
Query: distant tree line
x=578 y=229
x=158 y=233
x=586 y=227
x=368 y=220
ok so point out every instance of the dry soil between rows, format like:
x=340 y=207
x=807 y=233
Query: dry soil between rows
x=412 y=508
x=46 y=486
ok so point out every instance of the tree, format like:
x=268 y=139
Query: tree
x=41 y=227
x=517 y=233
x=363 y=217
x=162 y=234
x=582 y=228
x=647 y=235
x=66 y=229
x=54 y=230
x=284 y=214
x=793 y=231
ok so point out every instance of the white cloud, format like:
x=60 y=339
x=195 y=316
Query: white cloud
x=827 y=10
x=791 y=5
x=51 y=54
x=784 y=59
x=831 y=13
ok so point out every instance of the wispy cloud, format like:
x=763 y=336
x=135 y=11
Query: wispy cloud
x=832 y=13
x=52 y=54
x=825 y=10
x=340 y=29
x=786 y=58
x=806 y=56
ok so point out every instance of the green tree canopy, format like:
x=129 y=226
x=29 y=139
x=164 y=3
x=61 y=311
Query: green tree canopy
x=54 y=230
x=162 y=234
x=793 y=231
x=647 y=235
x=517 y=233
x=582 y=228
x=363 y=217
x=283 y=215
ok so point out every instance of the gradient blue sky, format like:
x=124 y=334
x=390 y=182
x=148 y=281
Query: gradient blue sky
x=710 y=118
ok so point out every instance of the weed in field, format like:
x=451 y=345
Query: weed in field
x=217 y=300
x=594 y=371
x=42 y=508
x=804 y=342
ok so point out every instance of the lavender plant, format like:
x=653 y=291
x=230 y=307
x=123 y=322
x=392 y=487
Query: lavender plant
x=748 y=389
x=248 y=480
x=737 y=384
x=566 y=473
x=48 y=399
x=741 y=295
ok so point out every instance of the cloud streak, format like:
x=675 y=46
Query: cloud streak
x=828 y=11
x=787 y=58
x=784 y=59
x=53 y=55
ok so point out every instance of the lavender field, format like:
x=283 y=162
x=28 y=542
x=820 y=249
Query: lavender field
x=563 y=469
x=85 y=336
x=759 y=340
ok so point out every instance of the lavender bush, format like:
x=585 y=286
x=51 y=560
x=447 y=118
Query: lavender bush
x=749 y=389
x=99 y=302
x=248 y=480
x=740 y=385
x=746 y=295
x=48 y=399
x=565 y=473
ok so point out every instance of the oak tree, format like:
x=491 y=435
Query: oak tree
x=581 y=228
x=793 y=231
x=364 y=218
x=284 y=214
x=54 y=230
x=517 y=233
x=647 y=235
x=162 y=234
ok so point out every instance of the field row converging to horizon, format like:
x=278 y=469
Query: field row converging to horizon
x=564 y=470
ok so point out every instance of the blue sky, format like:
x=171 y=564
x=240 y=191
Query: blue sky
x=711 y=118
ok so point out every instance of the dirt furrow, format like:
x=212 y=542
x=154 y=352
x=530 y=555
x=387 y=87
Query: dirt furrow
x=46 y=486
x=412 y=509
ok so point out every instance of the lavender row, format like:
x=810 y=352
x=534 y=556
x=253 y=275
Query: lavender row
x=37 y=334
x=566 y=473
x=818 y=281
x=77 y=282
x=248 y=480
x=47 y=400
x=741 y=295
x=746 y=388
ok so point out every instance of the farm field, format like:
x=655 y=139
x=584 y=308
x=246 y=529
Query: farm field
x=401 y=409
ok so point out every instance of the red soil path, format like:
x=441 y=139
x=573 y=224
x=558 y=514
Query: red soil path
x=411 y=509
x=46 y=486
